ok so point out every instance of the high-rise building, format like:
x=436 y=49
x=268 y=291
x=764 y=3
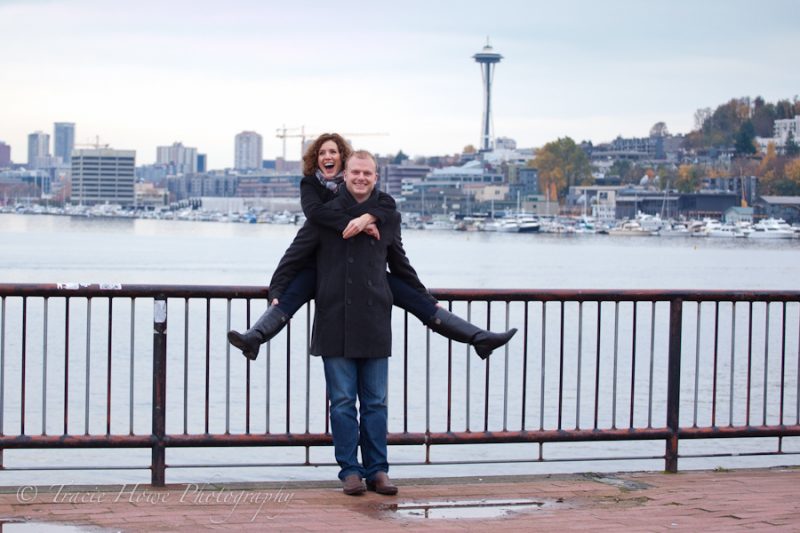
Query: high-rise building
x=202 y=162
x=182 y=158
x=5 y=155
x=103 y=175
x=63 y=140
x=248 y=151
x=38 y=150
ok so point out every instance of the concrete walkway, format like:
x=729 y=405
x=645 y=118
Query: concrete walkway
x=767 y=499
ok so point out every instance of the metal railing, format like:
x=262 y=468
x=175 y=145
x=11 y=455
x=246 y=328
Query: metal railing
x=81 y=368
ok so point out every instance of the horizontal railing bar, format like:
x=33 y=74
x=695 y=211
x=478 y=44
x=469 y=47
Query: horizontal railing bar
x=77 y=467
x=76 y=441
x=729 y=432
x=501 y=295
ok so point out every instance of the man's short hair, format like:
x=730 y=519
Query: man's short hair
x=362 y=154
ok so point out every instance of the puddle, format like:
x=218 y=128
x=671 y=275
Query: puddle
x=623 y=484
x=464 y=509
x=10 y=525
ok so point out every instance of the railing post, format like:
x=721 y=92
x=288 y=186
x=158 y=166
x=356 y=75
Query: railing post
x=158 y=462
x=674 y=383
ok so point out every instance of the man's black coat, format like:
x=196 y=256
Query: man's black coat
x=353 y=299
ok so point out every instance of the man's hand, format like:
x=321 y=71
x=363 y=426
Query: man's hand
x=372 y=231
x=357 y=225
x=274 y=301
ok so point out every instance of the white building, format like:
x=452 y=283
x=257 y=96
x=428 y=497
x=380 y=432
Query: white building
x=783 y=127
x=103 y=175
x=38 y=150
x=182 y=158
x=248 y=151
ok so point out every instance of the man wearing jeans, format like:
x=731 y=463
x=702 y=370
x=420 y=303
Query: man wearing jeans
x=352 y=326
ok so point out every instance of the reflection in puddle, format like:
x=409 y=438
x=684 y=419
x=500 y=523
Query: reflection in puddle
x=455 y=509
x=10 y=525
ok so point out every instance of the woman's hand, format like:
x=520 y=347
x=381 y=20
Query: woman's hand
x=372 y=231
x=357 y=225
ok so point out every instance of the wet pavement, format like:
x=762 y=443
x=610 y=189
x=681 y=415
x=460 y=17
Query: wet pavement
x=711 y=501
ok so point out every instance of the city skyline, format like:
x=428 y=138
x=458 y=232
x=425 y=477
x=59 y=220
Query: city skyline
x=142 y=75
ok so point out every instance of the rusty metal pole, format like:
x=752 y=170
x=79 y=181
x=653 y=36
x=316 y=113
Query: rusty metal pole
x=674 y=383
x=158 y=462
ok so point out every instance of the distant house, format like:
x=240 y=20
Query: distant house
x=785 y=207
x=739 y=214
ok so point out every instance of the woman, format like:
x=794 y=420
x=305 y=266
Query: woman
x=323 y=165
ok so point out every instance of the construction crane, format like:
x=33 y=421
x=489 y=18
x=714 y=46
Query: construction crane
x=283 y=133
x=96 y=144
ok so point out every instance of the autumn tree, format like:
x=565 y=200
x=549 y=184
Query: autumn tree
x=561 y=164
x=688 y=179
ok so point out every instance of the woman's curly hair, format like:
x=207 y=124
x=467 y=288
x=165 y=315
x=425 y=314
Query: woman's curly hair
x=310 y=163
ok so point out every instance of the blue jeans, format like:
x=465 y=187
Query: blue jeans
x=365 y=379
x=302 y=288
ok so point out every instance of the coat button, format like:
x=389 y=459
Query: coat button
x=350 y=259
x=349 y=281
x=369 y=302
x=369 y=282
x=349 y=301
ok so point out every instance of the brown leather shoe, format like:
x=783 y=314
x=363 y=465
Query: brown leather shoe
x=382 y=484
x=352 y=485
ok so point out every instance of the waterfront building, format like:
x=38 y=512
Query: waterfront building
x=216 y=184
x=391 y=177
x=182 y=159
x=269 y=186
x=248 y=151
x=5 y=155
x=150 y=196
x=785 y=207
x=25 y=184
x=448 y=189
x=202 y=163
x=710 y=204
x=103 y=175
x=38 y=150
x=63 y=141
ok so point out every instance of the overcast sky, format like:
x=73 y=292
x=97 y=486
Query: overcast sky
x=144 y=73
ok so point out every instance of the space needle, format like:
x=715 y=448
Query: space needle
x=487 y=59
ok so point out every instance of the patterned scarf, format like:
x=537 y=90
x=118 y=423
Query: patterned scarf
x=330 y=184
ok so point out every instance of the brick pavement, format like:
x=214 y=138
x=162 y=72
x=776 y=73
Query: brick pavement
x=762 y=499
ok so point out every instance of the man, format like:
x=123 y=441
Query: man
x=352 y=325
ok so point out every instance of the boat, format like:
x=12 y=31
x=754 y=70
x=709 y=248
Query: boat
x=772 y=228
x=630 y=228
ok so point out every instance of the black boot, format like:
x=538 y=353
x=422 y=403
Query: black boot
x=456 y=328
x=267 y=326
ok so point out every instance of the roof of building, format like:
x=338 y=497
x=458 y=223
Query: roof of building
x=792 y=200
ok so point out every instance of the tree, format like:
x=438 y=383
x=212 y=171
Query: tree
x=791 y=149
x=561 y=164
x=659 y=129
x=399 y=158
x=745 y=139
x=688 y=179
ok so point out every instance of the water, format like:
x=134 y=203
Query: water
x=46 y=249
